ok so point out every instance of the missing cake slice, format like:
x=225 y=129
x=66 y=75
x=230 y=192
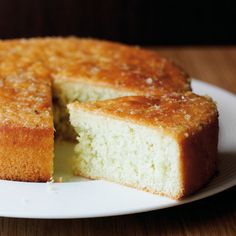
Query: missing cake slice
x=165 y=145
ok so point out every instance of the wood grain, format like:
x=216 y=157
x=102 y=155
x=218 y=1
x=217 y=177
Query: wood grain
x=215 y=215
x=216 y=65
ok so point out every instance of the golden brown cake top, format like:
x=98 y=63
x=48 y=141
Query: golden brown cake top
x=93 y=61
x=25 y=101
x=28 y=66
x=25 y=86
x=176 y=113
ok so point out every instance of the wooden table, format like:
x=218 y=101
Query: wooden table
x=215 y=215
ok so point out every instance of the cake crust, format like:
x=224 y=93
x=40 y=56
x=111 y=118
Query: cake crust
x=98 y=62
x=120 y=67
x=181 y=114
x=26 y=154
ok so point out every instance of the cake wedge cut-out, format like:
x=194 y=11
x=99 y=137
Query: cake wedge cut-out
x=165 y=145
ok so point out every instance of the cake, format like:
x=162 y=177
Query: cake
x=32 y=71
x=165 y=145
x=40 y=76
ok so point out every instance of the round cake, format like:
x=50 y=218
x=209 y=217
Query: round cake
x=40 y=76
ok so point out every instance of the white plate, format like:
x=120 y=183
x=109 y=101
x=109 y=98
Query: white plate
x=78 y=198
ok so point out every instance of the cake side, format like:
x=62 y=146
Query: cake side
x=26 y=154
x=199 y=157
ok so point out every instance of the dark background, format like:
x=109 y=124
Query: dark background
x=143 y=22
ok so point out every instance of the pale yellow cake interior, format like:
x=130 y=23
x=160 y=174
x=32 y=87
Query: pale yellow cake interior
x=126 y=153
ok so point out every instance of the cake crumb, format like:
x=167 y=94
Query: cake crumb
x=186 y=135
x=156 y=107
x=187 y=117
x=59 y=179
x=149 y=80
x=132 y=112
x=50 y=186
x=95 y=70
x=51 y=180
